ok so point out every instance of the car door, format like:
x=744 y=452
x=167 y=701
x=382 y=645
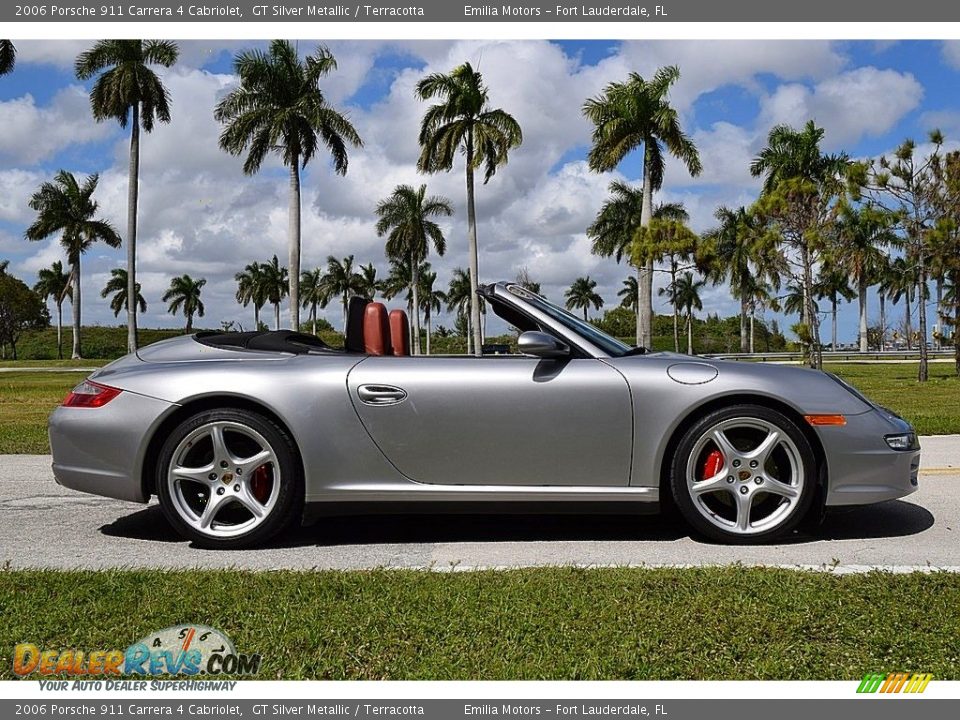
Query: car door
x=508 y=420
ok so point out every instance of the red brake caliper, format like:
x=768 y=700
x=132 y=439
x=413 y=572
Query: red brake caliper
x=712 y=465
x=260 y=483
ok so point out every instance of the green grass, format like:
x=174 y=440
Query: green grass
x=26 y=400
x=546 y=623
x=19 y=364
x=933 y=407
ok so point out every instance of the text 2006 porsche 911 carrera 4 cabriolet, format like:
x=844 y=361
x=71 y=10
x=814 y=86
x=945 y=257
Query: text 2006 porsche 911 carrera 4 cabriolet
x=239 y=434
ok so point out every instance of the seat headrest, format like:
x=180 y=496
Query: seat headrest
x=353 y=342
x=376 y=330
x=399 y=332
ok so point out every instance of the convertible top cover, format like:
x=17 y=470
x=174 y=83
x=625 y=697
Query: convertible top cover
x=285 y=341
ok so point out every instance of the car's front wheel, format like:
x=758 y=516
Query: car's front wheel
x=229 y=478
x=744 y=474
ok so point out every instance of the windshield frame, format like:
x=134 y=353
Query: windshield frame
x=607 y=344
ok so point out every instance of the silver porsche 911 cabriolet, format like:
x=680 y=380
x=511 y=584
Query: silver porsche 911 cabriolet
x=240 y=435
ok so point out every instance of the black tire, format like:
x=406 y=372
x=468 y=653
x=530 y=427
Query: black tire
x=288 y=506
x=792 y=515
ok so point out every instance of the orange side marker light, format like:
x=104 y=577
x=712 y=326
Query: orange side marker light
x=835 y=420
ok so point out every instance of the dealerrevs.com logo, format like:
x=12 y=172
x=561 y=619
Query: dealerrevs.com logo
x=895 y=682
x=178 y=650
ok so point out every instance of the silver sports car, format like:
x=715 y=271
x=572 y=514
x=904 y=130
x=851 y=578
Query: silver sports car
x=241 y=435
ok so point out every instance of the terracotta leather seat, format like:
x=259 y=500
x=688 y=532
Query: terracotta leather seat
x=399 y=332
x=376 y=330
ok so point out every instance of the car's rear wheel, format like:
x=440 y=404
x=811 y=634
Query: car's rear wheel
x=744 y=474
x=229 y=478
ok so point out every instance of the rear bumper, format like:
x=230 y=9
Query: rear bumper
x=100 y=450
x=862 y=468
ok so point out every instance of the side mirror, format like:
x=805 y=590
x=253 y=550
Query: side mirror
x=541 y=345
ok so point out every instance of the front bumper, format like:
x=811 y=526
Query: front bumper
x=861 y=467
x=100 y=450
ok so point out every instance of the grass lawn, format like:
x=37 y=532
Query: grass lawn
x=933 y=407
x=52 y=363
x=26 y=399
x=546 y=623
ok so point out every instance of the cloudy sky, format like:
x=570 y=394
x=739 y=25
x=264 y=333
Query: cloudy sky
x=201 y=215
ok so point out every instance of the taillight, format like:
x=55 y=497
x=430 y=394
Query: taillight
x=89 y=394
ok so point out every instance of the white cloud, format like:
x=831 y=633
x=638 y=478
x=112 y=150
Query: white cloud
x=32 y=133
x=854 y=104
x=951 y=53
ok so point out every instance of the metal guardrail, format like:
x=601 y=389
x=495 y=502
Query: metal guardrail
x=838 y=355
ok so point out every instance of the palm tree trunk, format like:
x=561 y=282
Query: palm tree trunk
x=276 y=315
x=923 y=370
x=810 y=319
x=908 y=321
x=689 y=333
x=76 y=308
x=294 y=231
x=60 y=328
x=344 y=303
x=862 y=293
x=939 y=312
x=133 y=181
x=256 y=316
x=474 y=259
x=585 y=313
x=883 y=320
x=744 y=310
x=753 y=314
x=313 y=317
x=833 y=328
x=429 y=329
x=415 y=289
x=676 y=312
x=189 y=323
x=645 y=274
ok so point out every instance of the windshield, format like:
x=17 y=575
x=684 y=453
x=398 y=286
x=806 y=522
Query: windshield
x=610 y=345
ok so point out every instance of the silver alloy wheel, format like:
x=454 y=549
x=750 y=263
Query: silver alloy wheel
x=759 y=483
x=211 y=476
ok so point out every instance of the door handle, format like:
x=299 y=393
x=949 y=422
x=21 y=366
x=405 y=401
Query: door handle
x=381 y=394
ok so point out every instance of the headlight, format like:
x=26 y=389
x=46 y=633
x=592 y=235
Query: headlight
x=903 y=441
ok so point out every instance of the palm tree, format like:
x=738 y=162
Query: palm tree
x=8 y=56
x=251 y=288
x=279 y=107
x=129 y=91
x=798 y=181
x=666 y=236
x=184 y=293
x=117 y=284
x=582 y=294
x=370 y=283
x=902 y=283
x=431 y=300
x=862 y=234
x=464 y=123
x=833 y=284
x=684 y=293
x=341 y=280
x=66 y=207
x=629 y=293
x=53 y=282
x=612 y=231
x=733 y=248
x=405 y=218
x=458 y=299
x=312 y=293
x=275 y=280
x=629 y=115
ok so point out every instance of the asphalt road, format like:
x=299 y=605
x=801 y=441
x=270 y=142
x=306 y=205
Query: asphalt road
x=46 y=526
